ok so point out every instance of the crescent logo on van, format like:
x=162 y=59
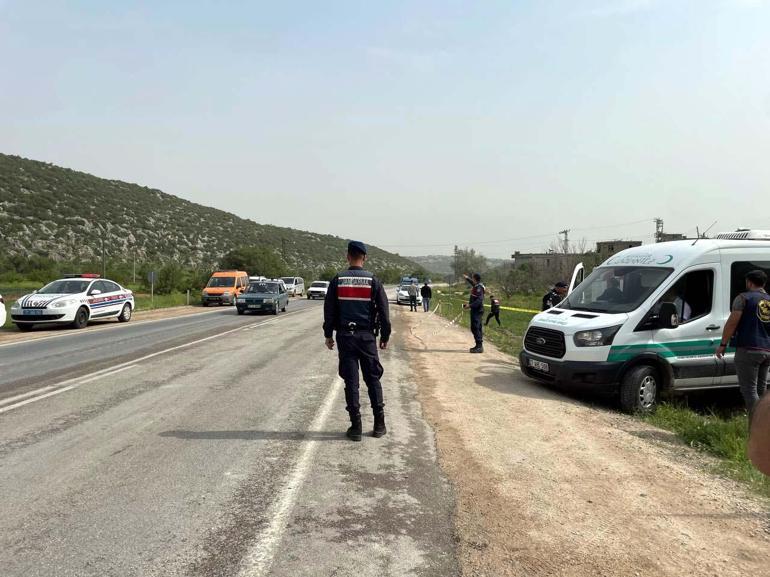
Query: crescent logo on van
x=668 y=258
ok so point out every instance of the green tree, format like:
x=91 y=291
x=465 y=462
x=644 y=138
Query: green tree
x=255 y=261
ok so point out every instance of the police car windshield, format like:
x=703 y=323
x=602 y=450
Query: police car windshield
x=64 y=287
x=263 y=287
x=619 y=289
x=218 y=281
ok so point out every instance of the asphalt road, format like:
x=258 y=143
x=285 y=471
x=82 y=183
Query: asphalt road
x=211 y=445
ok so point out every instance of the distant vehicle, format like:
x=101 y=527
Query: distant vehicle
x=295 y=285
x=263 y=296
x=2 y=311
x=402 y=296
x=318 y=289
x=257 y=278
x=73 y=300
x=224 y=286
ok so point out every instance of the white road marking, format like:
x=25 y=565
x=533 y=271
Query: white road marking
x=60 y=387
x=64 y=389
x=259 y=559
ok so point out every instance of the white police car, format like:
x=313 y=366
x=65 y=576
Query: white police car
x=73 y=300
x=2 y=311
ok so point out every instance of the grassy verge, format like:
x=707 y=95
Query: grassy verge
x=719 y=428
x=721 y=435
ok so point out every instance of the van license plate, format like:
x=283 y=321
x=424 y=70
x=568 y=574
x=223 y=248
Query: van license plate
x=539 y=365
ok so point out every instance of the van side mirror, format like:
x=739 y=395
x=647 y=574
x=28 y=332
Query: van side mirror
x=668 y=317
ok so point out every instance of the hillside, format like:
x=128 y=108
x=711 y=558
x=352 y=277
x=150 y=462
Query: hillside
x=60 y=213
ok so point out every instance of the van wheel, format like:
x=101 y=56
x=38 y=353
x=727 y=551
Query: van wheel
x=81 y=318
x=640 y=390
x=283 y=310
x=275 y=310
x=125 y=314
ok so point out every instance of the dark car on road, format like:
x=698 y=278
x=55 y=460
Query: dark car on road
x=263 y=296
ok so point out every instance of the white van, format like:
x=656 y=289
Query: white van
x=647 y=320
x=295 y=285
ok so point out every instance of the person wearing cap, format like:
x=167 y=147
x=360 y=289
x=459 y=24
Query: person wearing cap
x=355 y=307
x=748 y=327
x=476 y=305
x=555 y=295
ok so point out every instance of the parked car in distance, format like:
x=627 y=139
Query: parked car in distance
x=295 y=285
x=402 y=295
x=318 y=289
x=2 y=311
x=74 y=300
x=224 y=286
x=263 y=296
x=256 y=278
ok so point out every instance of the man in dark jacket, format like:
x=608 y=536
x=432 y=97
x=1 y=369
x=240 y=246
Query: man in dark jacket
x=476 y=305
x=355 y=306
x=426 y=293
x=555 y=295
x=749 y=326
x=494 y=310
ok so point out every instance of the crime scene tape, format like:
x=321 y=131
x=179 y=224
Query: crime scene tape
x=516 y=310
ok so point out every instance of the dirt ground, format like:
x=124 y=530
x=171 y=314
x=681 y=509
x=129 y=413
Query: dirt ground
x=546 y=485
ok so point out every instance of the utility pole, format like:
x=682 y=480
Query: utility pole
x=565 y=242
x=457 y=254
x=134 y=269
x=658 y=229
x=104 y=258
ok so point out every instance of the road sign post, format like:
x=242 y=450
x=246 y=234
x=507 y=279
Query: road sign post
x=152 y=278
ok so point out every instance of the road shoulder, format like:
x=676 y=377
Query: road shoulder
x=549 y=486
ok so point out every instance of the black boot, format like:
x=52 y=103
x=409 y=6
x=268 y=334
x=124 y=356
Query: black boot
x=379 y=425
x=479 y=348
x=354 y=431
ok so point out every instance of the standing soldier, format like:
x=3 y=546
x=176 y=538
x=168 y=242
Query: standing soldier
x=476 y=304
x=555 y=295
x=749 y=325
x=355 y=305
x=494 y=310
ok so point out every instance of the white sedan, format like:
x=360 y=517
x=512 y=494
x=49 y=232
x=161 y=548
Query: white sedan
x=318 y=290
x=402 y=295
x=74 y=301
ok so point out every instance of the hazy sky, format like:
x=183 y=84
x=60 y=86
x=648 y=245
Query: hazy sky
x=410 y=125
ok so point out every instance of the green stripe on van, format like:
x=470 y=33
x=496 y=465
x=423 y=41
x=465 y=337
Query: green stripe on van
x=666 y=350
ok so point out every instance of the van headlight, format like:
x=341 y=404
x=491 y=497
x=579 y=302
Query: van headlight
x=63 y=304
x=596 y=337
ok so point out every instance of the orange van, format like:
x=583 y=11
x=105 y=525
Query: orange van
x=224 y=286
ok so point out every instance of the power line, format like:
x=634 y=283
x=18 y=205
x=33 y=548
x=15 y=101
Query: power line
x=507 y=240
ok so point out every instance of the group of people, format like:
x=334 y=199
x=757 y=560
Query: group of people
x=425 y=292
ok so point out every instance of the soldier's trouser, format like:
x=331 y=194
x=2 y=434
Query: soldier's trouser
x=360 y=350
x=752 y=367
x=477 y=326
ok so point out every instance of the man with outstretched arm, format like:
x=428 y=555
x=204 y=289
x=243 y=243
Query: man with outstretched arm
x=476 y=305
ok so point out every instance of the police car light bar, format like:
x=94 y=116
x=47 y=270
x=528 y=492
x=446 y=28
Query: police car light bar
x=82 y=275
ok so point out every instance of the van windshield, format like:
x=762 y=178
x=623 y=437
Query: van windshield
x=288 y=279
x=619 y=289
x=221 y=281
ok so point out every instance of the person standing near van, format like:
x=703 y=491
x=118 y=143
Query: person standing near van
x=426 y=293
x=411 y=290
x=355 y=305
x=476 y=305
x=494 y=310
x=555 y=296
x=749 y=326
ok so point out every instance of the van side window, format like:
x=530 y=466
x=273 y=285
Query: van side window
x=738 y=272
x=693 y=295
